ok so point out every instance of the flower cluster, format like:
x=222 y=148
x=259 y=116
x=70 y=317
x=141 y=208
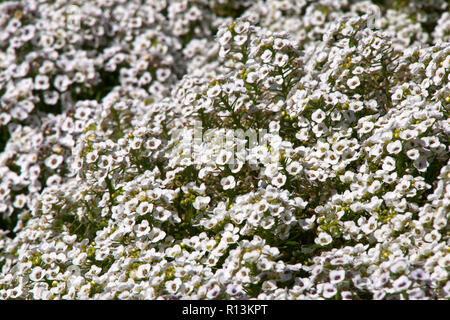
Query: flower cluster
x=224 y=149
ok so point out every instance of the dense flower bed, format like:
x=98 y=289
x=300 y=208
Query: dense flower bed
x=224 y=149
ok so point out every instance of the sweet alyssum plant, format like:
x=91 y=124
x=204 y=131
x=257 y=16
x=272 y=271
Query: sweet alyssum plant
x=224 y=150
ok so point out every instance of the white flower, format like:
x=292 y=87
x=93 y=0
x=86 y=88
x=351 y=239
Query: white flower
x=223 y=157
x=20 y=201
x=353 y=82
x=163 y=74
x=144 y=208
x=388 y=164
x=143 y=271
x=254 y=218
x=374 y=187
x=319 y=130
x=370 y=226
x=398 y=94
x=390 y=178
x=262 y=206
x=213 y=293
x=5 y=118
x=201 y=202
x=302 y=134
x=161 y=214
x=347 y=31
x=105 y=162
x=92 y=156
x=408 y=134
x=135 y=143
x=54 y=161
x=240 y=39
x=214 y=91
x=280 y=59
x=41 y=82
x=252 y=77
x=366 y=127
x=225 y=38
x=421 y=164
x=329 y=290
x=401 y=284
x=419 y=274
x=318 y=116
x=398 y=266
x=279 y=180
x=131 y=204
x=331 y=157
x=413 y=154
x=153 y=144
x=172 y=286
x=267 y=223
x=394 y=147
x=228 y=182
x=156 y=235
x=241 y=27
x=142 y=229
x=80 y=259
x=266 y=57
x=233 y=289
x=337 y=276
x=37 y=274
x=323 y=239
x=274 y=127
x=294 y=168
